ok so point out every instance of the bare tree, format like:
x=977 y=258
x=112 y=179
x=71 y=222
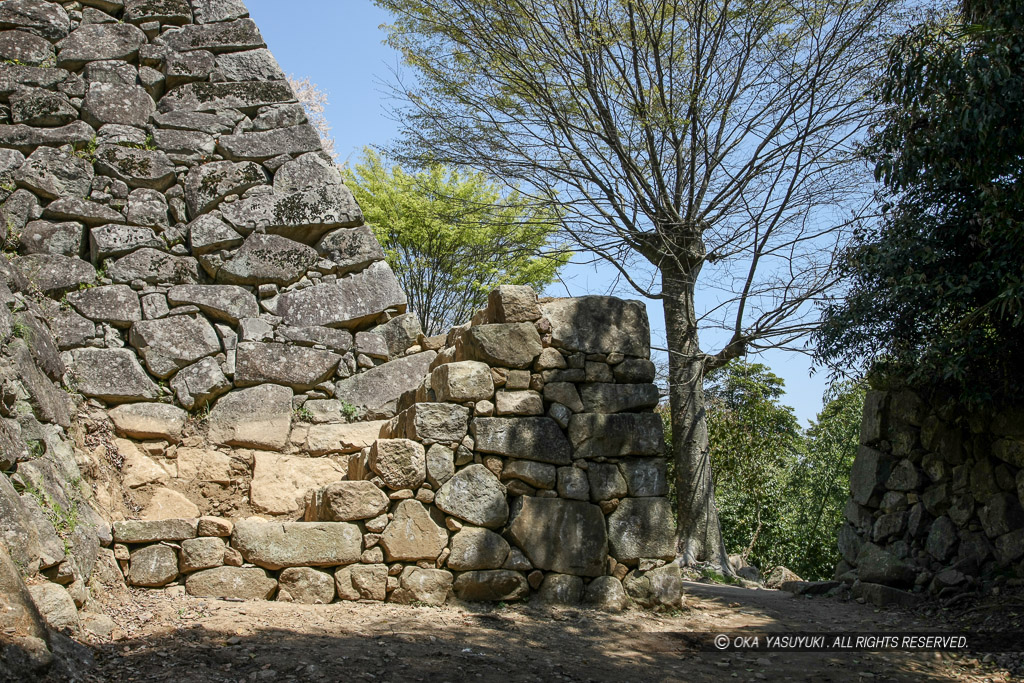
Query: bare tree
x=680 y=140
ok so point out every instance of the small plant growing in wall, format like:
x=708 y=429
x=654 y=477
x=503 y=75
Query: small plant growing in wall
x=303 y=414
x=349 y=410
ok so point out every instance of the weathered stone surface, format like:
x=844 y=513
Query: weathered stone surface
x=306 y=172
x=414 y=534
x=352 y=249
x=646 y=477
x=154 y=267
x=151 y=531
x=167 y=503
x=54 y=274
x=280 y=482
x=462 y=381
x=530 y=438
x=436 y=422
x=138 y=469
x=47 y=20
x=869 y=473
x=348 y=302
x=213 y=11
x=602 y=397
x=172 y=12
x=114 y=304
x=606 y=593
x=306 y=585
x=81 y=211
x=209 y=233
x=599 y=324
x=201 y=465
x=401 y=463
x=474 y=548
x=239 y=583
x=491 y=585
x=112 y=375
x=22 y=617
x=221 y=302
x=126 y=105
x=150 y=169
x=875 y=565
x=342 y=438
x=268 y=259
x=148 y=421
x=201 y=553
x=362 y=582
x=661 y=587
x=423 y=586
x=378 y=389
x=26 y=48
x=1001 y=514
x=208 y=184
x=579 y=526
x=561 y=589
x=39 y=107
x=185 y=67
x=94 y=42
x=249 y=65
x=113 y=241
x=258 y=417
x=475 y=495
x=440 y=465
x=511 y=345
x=512 y=304
x=216 y=97
x=302 y=216
x=606 y=482
x=642 y=528
x=634 y=371
x=45 y=237
x=25 y=138
x=263 y=145
x=335 y=340
x=573 y=483
x=169 y=344
x=55 y=604
x=298 y=367
x=199 y=383
x=346 y=501
x=225 y=36
x=276 y=545
x=536 y=474
x=53 y=173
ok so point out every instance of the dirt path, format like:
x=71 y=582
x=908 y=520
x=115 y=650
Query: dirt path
x=165 y=635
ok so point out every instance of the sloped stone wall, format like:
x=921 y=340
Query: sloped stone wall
x=160 y=183
x=935 y=502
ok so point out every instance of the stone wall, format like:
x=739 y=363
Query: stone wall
x=528 y=458
x=160 y=183
x=935 y=500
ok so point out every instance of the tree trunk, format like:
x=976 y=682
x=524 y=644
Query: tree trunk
x=699 y=535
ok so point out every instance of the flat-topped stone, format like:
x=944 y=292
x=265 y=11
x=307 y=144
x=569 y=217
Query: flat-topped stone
x=530 y=438
x=229 y=303
x=148 y=421
x=280 y=482
x=298 y=367
x=348 y=302
x=599 y=324
x=276 y=545
x=112 y=375
x=258 y=417
x=151 y=531
x=302 y=216
x=236 y=583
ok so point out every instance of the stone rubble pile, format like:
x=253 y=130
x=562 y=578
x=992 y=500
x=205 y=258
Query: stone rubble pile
x=935 y=500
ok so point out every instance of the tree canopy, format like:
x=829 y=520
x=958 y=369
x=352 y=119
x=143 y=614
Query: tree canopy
x=452 y=237
x=936 y=296
x=675 y=138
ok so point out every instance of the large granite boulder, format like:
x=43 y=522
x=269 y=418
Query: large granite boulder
x=169 y=344
x=46 y=20
x=112 y=375
x=530 y=438
x=510 y=345
x=207 y=185
x=95 y=42
x=114 y=304
x=376 y=391
x=579 y=527
x=346 y=501
x=229 y=303
x=305 y=585
x=303 y=216
x=599 y=324
x=264 y=259
x=136 y=167
x=233 y=583
x=257 y=417
x=596 y=435
x=491 y=586
x=474 y=548
x=463 y=381
x=298 y=367
x=642 y=528
x=280 y=482
x=475 y=495
x=125 y=105
x=276 y=545
x=55 y=274
x=400 y=463
x=414 y=534
x=349 y=302
x=53 y=173
x=200 y=383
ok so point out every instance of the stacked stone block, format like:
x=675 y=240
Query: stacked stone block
x=935 y=499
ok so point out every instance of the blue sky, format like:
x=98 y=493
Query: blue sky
x=338 y=44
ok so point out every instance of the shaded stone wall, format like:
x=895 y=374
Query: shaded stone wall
x=935 y=499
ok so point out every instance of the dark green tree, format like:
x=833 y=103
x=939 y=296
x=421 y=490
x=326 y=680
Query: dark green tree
x=936 y=295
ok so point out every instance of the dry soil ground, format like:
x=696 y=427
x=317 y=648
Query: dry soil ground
x=167 y=636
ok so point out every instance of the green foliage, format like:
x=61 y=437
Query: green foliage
x=89 y=151
x=936 y=297
x=754 y=445
x=452 y=237
x=64 y=520
x=349 y=410
x=303 y=414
